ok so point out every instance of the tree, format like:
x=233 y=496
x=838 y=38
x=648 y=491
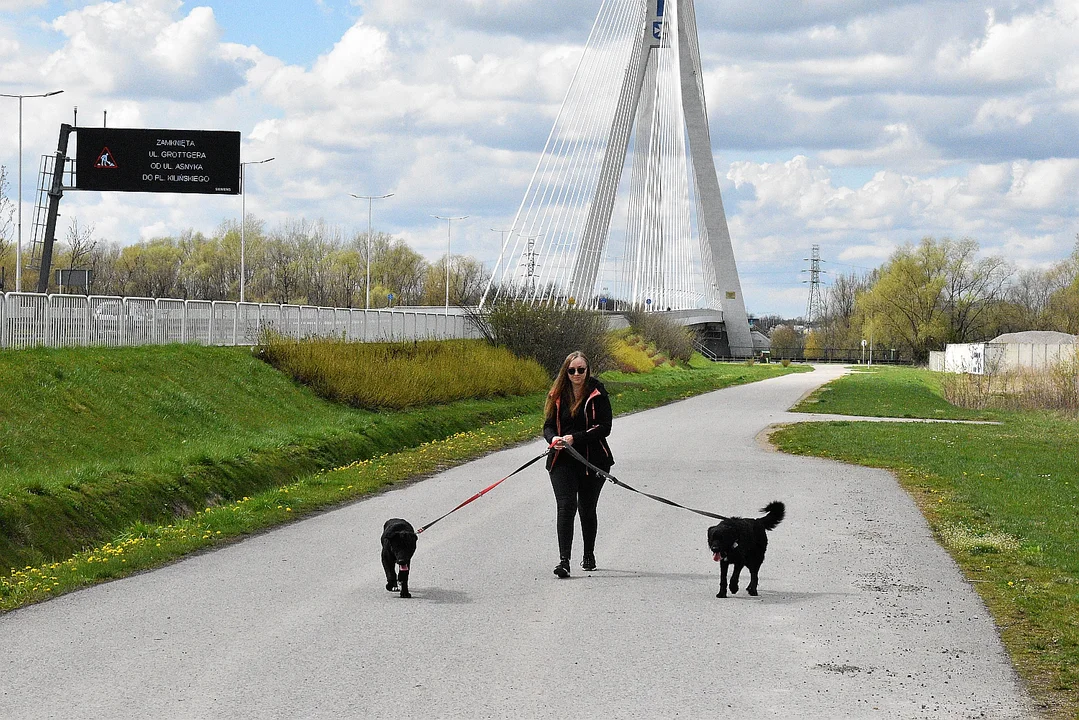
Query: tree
x=814 y=345
x=158 y=269
x=931 y=294
x=7 y=224
x=102 y=263
x=1063 y=308
x=840 y=326
x=79 y=245
x=399 y=269
x=283 y=273
x=468 y=278
x=973 y=286
x=347 y=275
x=786 y=342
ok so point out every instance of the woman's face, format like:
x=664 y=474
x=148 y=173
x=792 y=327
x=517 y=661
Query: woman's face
x=577 y=371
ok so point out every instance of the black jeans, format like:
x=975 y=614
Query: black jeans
x=575 y=491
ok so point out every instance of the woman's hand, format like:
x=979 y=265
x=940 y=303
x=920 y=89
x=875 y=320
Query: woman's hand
x=561 y=442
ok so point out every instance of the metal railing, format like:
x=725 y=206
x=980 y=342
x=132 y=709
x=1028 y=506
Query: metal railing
x=851 y=356
x=30 y=320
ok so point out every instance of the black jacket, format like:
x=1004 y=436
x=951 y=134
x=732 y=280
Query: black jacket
x=589 y=428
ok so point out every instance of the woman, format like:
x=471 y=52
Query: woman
x=578 y=414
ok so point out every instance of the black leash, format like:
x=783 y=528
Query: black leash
x=487 y=489
x=606 y=475
x=602 y=473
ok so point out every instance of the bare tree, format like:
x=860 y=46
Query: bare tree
x=80 y=243
x=7 y=219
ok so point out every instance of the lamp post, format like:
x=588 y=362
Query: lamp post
x=243 y=220
x=449 y=223
x=18 y=248
x=370 y=200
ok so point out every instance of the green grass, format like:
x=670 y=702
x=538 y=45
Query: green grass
x=96 y=439
x=886 y=391
x=1003 y=499
x=78 y=517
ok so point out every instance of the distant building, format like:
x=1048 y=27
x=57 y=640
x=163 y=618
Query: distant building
x=1030 y=349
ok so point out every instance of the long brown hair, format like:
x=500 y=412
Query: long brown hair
x=563 y=387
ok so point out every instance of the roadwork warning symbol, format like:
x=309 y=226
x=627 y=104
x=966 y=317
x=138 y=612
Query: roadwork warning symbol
x=104 y=160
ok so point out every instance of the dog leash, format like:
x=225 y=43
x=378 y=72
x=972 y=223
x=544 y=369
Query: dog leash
x=486 y=490
x=606 y=475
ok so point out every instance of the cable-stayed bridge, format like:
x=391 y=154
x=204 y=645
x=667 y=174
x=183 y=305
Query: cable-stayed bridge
x=624 y=209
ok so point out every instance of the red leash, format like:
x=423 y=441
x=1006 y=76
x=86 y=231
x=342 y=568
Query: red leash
x=486 y=490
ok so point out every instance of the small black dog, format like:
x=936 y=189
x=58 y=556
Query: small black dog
x=742 y=541
x=398 y=547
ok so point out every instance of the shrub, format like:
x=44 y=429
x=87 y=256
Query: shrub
x=546 y=333
x=629 y=358
x=402 y=375
x=668 y=337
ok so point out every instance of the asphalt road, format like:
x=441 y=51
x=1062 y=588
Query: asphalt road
x=860 y=613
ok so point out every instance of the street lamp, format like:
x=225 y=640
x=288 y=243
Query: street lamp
x=370 y=200
x=449 y=223
x=18 y=249
x=243 y=219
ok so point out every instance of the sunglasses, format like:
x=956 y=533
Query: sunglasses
x=578 y=371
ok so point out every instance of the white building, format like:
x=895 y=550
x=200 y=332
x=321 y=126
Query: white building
x=1031 y=349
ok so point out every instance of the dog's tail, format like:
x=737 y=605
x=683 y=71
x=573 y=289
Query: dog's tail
x=776 y=510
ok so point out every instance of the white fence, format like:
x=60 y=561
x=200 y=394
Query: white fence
x=29 y=319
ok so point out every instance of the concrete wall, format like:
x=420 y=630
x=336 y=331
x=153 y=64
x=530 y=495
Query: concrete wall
x=981 y=358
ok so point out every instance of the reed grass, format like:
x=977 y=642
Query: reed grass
x=395 y=376
x=1050 y=388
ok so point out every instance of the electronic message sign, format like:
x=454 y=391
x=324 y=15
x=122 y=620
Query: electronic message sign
x=171 y=161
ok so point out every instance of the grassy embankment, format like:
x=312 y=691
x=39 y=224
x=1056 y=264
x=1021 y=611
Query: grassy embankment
x=1003 y=499
x=116 y=460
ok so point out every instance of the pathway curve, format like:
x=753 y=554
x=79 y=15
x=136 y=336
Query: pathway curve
x=860 y=613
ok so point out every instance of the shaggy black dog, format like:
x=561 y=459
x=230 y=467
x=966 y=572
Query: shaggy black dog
x=398 y=547
x=742 y=542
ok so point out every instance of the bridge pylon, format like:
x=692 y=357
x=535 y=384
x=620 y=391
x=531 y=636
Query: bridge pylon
x=638 y=95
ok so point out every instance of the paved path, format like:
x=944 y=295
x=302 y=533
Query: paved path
x=860 y=613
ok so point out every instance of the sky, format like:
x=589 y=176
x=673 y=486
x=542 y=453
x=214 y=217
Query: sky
x=856 y=125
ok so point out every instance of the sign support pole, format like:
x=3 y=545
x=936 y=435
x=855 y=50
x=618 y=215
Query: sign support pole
x=55 y=193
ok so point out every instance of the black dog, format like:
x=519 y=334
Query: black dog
x=742 y=541
x=398 y=547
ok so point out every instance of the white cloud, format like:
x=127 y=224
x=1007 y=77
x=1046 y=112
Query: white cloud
x=899 y=147
x=1044 y=185
x=985 y=202
x=137 y=48
x=858 y=125
x=360 y=54
x=1028 y=46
